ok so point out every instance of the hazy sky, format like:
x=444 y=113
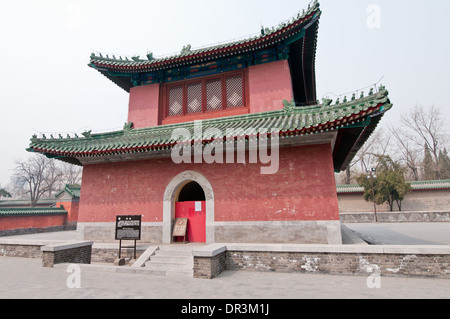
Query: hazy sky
x=47 y=87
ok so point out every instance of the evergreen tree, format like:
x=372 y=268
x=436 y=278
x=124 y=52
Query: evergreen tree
x=389 y=186
x=4 y=193
x=444 y=164
x=428 y=165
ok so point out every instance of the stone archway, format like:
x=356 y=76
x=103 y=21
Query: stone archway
x=170 y=194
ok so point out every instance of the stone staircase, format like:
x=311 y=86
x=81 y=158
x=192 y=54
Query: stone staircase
x=172 y=260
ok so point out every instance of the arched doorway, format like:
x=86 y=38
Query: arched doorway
x=191 y=192
x=191 y=204
x=182 y=187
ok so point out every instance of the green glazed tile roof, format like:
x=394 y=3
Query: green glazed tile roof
x=270 y=37
x=290 y=121
x=71 y=189
x=416 y=186
x=4 y=212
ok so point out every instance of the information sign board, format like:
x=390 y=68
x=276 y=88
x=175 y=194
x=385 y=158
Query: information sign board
x=128 y=227
x=180 y=228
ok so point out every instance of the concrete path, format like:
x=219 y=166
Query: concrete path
x=404 y=233
x=27 y=279
x=382 y=233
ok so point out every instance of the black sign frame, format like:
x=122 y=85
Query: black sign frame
x=127 y=226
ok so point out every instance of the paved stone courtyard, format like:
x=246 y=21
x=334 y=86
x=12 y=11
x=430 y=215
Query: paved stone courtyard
x=27 y=279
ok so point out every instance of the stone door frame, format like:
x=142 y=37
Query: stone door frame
x=172 y=190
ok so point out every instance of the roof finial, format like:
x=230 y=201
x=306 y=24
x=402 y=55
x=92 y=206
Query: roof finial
x=186 y=49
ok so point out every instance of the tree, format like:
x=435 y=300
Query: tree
x=39 y=177
x=426 y=126
x=428 y=165
x=407 y=152
x=444 y=164
x=35 y=177
x=4 y=193
x=378 y=144
x=389 y=186
x=71 y=173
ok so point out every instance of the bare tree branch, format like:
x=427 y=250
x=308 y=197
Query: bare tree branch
x=426 y=127
x=35 y=177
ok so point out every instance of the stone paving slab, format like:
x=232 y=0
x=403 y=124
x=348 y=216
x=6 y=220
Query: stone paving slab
x=404 y=233
x=27 y=279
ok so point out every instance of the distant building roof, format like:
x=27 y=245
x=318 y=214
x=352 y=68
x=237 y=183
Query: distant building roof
x=70 y=192
x=47 y=211
x=416 y=186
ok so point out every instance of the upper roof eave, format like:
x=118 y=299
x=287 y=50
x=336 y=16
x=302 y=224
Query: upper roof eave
x=283 y=32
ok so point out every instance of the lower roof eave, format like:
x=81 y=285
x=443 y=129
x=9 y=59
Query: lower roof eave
x=291 y=141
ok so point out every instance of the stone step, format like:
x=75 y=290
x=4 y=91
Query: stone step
x=185 y=247
x=181 y=253
x=174 y=260
x=170 y=258
x=173 y=265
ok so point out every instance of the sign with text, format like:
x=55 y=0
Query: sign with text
x=180 y=228
x=128 y=227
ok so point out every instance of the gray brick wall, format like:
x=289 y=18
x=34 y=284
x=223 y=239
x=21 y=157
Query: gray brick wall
x=393 y=261
x=76 y=253
x=209 y=267
x=341 y=263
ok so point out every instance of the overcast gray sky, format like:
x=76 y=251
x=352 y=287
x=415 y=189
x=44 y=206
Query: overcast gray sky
x=47 y=87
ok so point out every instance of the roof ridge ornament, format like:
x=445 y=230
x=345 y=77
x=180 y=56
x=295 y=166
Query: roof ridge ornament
x=326 y=101
x=186 y=50
x=87 y=134
x=128 y=127
x=289 y=107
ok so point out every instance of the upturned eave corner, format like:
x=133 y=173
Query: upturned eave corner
x=293 y=121
x=118 y=67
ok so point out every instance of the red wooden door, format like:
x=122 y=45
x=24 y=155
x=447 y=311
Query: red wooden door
x=196 y=214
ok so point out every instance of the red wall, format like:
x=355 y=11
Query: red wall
x=269 y=85
x=143 y=107
x=303 y=189
x=25 y=222
x=71 y=208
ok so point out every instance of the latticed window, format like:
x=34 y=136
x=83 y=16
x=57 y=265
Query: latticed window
x=235 y=91
x=214 y=95
x=207 y=95
x=176 y=100
x=194 y=98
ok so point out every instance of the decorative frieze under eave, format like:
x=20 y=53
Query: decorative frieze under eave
x=250 y=146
